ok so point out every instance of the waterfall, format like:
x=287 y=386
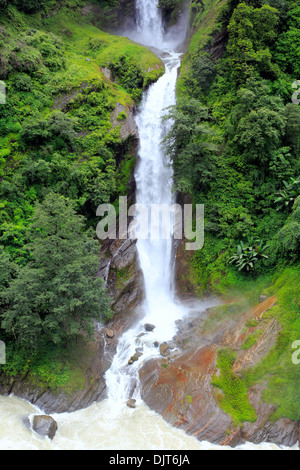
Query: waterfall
x=149 y=23
x=154 y=187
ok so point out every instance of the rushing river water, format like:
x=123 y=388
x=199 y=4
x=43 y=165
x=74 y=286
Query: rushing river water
x=111 y=425
x=98 y=427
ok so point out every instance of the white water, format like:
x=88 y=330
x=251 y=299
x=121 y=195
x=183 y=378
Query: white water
x=153 y=177
x=111 y=425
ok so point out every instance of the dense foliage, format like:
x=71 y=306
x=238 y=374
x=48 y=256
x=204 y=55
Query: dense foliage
x=57 y=294
x=235 y=139
x=235 y=147
x=60 y=157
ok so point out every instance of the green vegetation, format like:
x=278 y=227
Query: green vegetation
x=248 y=254
x=57 y=294
x=235 y=146
x=235 y=139
x=251 y=339
x=277 y=369
x=234 y=399
x=60 y=157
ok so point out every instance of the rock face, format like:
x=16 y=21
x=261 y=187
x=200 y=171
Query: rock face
x=44 y=426
x=181 y=388
x=124 y=117
x=121 y=271
x=120 y=14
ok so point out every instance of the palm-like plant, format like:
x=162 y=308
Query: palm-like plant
x=248 y=254
x=288 y=195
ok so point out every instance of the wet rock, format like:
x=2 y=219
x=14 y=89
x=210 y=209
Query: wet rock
x=149 y=327
x=131 y=403
x=123 y=276
x=135 y=357
x=283 y=432
x=164 y=349
x=109 y=333
x=44 y=426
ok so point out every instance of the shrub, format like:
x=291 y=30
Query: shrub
x=289 y=235
x=248 y=254
x=58 y=129
x=288 y=196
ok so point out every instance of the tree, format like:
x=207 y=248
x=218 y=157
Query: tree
x=289 y=235
x=58 y=130
x=251 y=32
x=292 y=134
x=57 y=295
x=287 y=46
x=8 y=271
x=257 y=123
x=200 y=74
x=189 y=145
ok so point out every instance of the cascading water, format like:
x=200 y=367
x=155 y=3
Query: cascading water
x=149 y=29
x=154 y=187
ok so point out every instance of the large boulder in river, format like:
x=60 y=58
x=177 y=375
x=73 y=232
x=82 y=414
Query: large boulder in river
x=149 y=327
x=131 y=403
x=44 y=426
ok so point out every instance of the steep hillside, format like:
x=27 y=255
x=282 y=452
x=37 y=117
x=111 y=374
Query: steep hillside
x=235 y=149
x=67 y=134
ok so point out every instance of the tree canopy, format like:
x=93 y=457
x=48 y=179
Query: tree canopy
x=57 y=295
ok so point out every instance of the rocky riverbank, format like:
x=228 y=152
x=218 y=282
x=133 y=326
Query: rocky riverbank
x=182 y=386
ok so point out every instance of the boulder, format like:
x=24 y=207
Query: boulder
x=164 y=349
x=149 y=327
x=44 y=426
x=109 y=333
x=135 y=357
x=131 y=403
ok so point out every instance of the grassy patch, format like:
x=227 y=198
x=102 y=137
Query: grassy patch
x=234 y=399
x=277 y=368
x=98 y=48
x=251 y=339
